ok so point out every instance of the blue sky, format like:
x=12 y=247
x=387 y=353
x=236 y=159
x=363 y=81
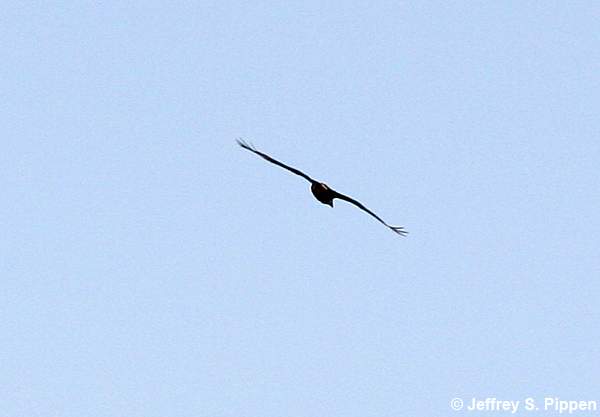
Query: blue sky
x=151 y=267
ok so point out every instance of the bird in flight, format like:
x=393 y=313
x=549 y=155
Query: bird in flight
x=320 y=190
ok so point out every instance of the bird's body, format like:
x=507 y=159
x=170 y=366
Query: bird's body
x=322 y=193
x=320 y=190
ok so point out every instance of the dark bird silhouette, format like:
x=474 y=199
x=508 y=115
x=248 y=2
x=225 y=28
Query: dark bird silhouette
x=321 y=191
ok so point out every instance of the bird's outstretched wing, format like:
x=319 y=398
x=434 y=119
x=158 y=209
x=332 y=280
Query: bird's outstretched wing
x=268 y=158
x=397 y=229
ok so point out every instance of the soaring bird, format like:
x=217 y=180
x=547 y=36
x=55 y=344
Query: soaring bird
x=321 y=191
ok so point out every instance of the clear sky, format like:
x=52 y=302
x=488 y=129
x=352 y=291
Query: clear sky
x=150 y=267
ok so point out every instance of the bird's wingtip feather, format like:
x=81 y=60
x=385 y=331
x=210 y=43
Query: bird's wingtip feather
x=250 y=146
x=399 y=230
x=243 y=144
